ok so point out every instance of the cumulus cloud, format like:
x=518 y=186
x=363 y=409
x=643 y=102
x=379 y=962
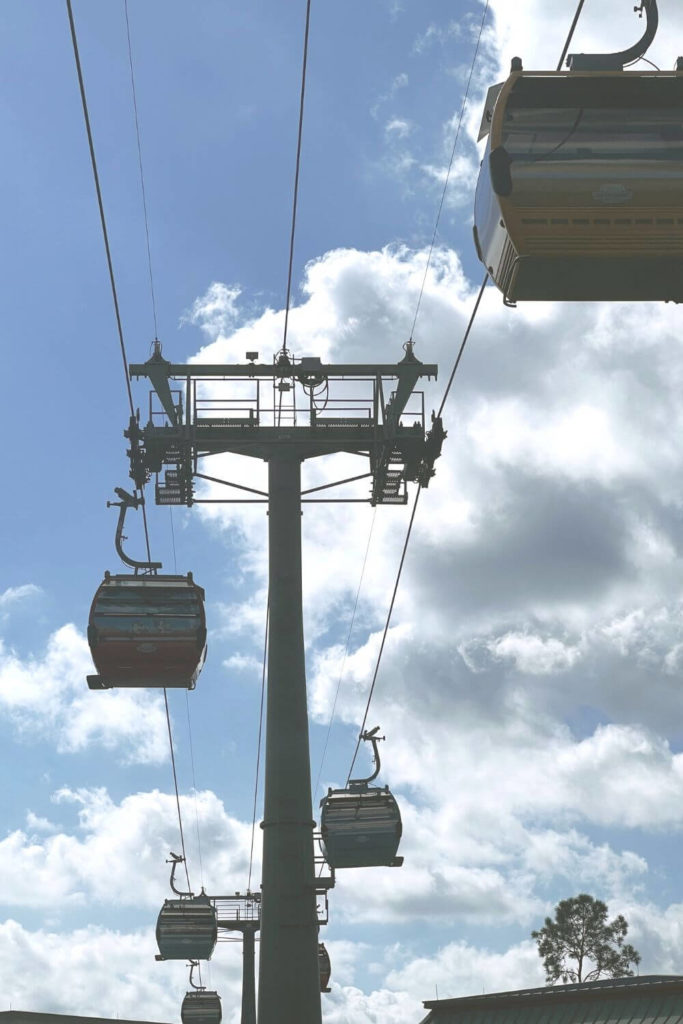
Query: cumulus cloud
x=98 y=972
x=540 y=600
x=47 y=696
x=552 y=520
x=437 y=35
x=540 y=595
x=216 y=311
x=113 y=843
x=398 y=128
x=12 y=595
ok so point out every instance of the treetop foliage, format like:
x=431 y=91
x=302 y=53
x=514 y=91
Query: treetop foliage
x=580 y=944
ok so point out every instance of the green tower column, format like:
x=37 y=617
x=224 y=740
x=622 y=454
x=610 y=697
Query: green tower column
x=289 y=979
x=248 y=986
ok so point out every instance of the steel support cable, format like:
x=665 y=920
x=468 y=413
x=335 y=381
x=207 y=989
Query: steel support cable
x=571 y=33
x=146 y=221
x=124 y=357
x=177 y=795
x=450 y=168
x=410 y=525
x=258 y=746
x=142 y=175
x=346 y=651
x=105 y=236
x=466 y=335
x=450 y=381
x=441 y=407
x=194 y=790
x=296 y=173
x=100 y=203
x=386 y=629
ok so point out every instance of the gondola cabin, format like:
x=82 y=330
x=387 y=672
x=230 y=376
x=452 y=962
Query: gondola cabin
x=360 y=827
x=147 y=631
x=580 y=193
x=201 y=1008
x=325 y=967
x=187 y=929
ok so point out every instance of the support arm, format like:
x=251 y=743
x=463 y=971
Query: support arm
x=618 y=61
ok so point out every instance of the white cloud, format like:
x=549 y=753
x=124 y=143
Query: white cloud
x=243 y=663
x=216 y=311
x=12 y=595
x=48 y=696
x=460 y=969
x=436 y=34
x=117 y=854
x=544 y=532
x=100 y=972
x=399 y=82
x=534 y=654
x=35 y=823
x=398 y=128
x=542 y=587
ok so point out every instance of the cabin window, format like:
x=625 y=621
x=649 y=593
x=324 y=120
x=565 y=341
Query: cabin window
x=563 y=134
x=139 y=610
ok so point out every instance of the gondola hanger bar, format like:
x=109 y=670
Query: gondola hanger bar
x=618 y=61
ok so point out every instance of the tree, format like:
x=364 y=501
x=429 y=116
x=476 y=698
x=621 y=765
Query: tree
x=579 y=945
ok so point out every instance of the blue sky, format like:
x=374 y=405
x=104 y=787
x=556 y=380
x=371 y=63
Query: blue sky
x=530 y=687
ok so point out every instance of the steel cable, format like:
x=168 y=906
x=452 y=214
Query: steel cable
x=100 y=203
x=142 y=174
x=571 y=34
x=346 y=652
x=450 y=167
x=446 y=393
x=448 y=386
x=122 y=344
x=296 y=173
x=177 y=795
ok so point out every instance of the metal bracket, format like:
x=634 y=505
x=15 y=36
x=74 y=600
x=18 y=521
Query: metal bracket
x=175 y=860
x=371 y=737
x=618 y=61
x=128 y=501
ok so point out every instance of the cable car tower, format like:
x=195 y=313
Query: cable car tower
x=285 y=413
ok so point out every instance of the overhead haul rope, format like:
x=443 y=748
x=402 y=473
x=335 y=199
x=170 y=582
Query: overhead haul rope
x=571 y=33
x=194 y=790
x=143 y=192
x=448 y=386
x=177 y=795
x=450 y=168
x=410 y=528
x=105 y=235
x=346 y=652
x=142 y=175
x=295 y=200
x=100 y=204
x=447 y=391
x=122 y=344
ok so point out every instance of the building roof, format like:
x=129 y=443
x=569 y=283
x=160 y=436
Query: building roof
x=652 y=999
x=30 y=1017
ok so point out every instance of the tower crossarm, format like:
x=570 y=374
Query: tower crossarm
x=157 y=369
x=239 y=912
x=302 y=405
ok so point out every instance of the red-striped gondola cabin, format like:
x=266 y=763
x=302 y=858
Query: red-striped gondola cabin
x=147 y=631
